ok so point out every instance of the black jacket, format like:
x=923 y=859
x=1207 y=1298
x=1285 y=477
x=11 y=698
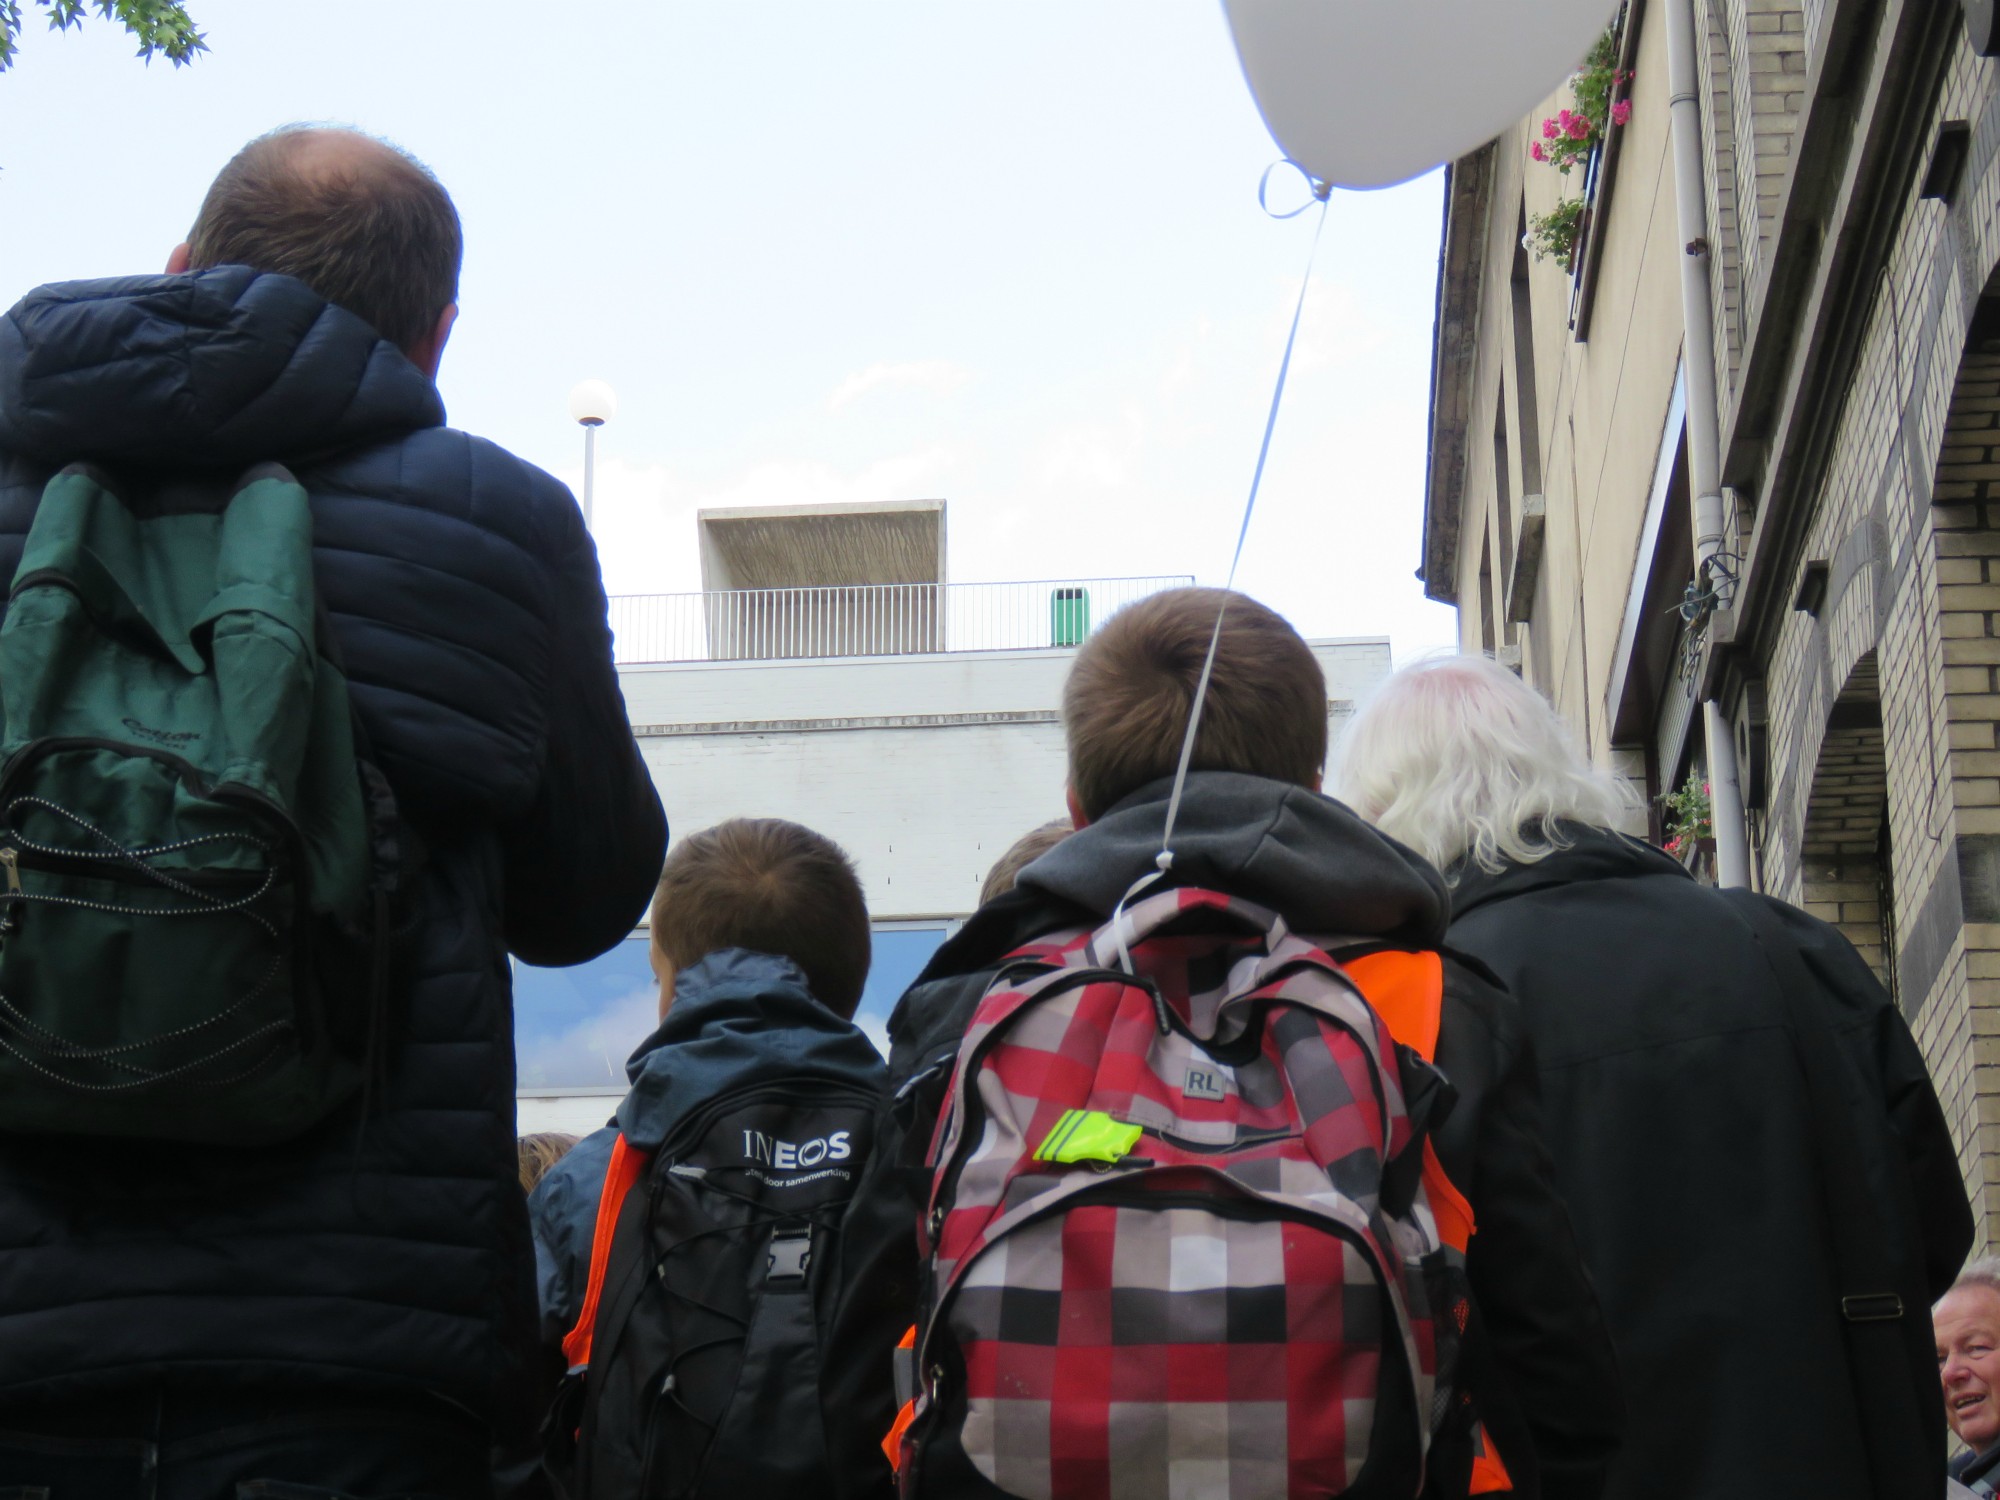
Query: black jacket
x=464 y=597
x=1309 y=858
x=1676 y=1108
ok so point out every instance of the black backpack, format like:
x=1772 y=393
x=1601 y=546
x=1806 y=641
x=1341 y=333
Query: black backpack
x=704 y=1361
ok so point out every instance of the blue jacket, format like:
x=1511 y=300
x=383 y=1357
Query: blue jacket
x=738 y=1018
x=465 y=600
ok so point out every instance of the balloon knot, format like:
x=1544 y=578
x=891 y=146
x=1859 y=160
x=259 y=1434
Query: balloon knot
x=1165 y=861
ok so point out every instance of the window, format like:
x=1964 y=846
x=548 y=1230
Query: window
x=901 y=951
x=1527 y=409
x=1486 y=641
x=574 y=1028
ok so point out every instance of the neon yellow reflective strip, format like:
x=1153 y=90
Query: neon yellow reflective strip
x=1088 y=1135
x=1065 y=1122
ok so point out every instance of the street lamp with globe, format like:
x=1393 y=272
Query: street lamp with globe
x=592 y=403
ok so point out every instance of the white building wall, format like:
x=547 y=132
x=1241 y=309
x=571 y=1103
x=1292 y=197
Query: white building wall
x=924 y=768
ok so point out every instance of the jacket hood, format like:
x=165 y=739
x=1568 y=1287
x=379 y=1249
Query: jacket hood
x=1592 y=854
x=214 y=370
x=738 y=1018
x=1301 y=853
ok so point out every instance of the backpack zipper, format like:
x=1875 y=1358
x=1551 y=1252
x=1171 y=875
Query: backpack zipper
x=121 y=869
x=1208 y=1148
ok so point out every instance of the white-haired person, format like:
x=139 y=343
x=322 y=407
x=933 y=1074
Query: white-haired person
x=1967 y=1320
x=1680 y=1034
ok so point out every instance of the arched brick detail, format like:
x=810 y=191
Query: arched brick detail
x=1965 y=519
x=1843 y=848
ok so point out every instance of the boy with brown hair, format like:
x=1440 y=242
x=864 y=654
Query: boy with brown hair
x=728 y=1166
x=1251 y=824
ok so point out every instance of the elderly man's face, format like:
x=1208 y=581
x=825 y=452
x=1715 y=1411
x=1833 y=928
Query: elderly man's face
x=1967 y=1323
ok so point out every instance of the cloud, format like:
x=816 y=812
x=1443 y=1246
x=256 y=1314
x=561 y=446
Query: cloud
x=939 y=375
x=1337 y=331
x=1101 y=455
x=875 y=1026
x=913 y=474
x=592 y=1052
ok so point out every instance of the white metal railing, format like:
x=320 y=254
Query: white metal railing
x=886 y=619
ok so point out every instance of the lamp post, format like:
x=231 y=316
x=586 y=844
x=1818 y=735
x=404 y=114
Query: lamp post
x=592 y=403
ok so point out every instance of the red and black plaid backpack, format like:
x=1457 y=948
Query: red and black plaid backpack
x=1181 y=1230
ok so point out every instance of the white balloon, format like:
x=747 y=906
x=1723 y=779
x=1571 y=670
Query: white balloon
x=1368 y=93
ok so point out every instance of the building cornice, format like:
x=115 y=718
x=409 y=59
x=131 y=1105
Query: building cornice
x=1468 y=188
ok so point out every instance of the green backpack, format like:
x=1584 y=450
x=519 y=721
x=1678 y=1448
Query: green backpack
x=189 y=845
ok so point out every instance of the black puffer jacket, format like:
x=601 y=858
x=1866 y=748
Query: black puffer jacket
x=1553 y=1405
x=1675 y=1106
x=465 y=598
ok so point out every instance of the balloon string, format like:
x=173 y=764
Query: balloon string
x=1165 y=860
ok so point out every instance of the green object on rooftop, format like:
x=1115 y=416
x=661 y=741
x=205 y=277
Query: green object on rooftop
x=1069 y=617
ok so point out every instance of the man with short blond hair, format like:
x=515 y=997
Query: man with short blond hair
x=351 y=1311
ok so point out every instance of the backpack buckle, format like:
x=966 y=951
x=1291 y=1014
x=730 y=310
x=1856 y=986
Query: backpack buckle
x=790 y=1255
x=1872 y=1307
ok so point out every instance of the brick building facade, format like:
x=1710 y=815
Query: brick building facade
x=1851 y=159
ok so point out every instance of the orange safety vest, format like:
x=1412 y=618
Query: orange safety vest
x=1407 y=991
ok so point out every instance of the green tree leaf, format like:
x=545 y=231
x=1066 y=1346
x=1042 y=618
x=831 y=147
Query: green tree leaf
x=161 y=26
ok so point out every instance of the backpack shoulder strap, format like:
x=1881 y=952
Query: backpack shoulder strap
x=628 y=1165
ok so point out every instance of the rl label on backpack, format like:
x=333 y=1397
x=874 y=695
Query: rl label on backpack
x=1210 y=1082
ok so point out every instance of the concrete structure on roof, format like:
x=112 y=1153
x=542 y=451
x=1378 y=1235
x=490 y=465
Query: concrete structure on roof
x=823 y=580
x=1850 y=159
x=822 y=546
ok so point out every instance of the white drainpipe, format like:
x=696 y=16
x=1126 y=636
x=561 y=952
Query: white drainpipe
x=1732 y=849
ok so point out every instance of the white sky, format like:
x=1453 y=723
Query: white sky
x=1008 y=254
